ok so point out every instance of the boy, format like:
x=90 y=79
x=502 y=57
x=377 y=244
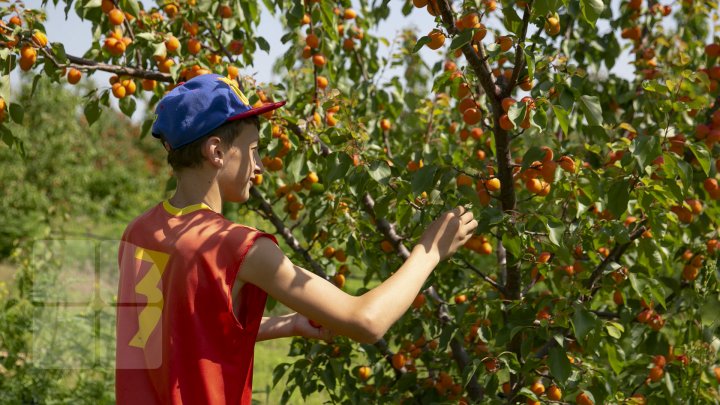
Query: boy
x=193 y=285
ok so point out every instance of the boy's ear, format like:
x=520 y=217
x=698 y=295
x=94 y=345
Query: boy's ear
x=212 y=151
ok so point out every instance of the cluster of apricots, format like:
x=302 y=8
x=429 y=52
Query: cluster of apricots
x=28 y=51
x=553 y=392
x=115 y=43
x=634 y=32
x=648 y=316
x=122 y=86
x=292 y=205
x=479 y=244
x=540 y=174
x=311 y=50
x=115 y=15
x=710 y=133
x=686 y=212
x=694 y=262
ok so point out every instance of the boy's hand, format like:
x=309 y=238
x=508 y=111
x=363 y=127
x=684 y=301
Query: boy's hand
x=310 y=329
x=449 y=232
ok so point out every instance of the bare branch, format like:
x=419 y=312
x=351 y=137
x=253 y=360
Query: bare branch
x=519 y=52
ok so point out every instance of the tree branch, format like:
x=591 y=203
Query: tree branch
x=519 y=53
x=614 y=256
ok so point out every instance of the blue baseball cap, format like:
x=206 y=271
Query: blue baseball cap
x=202 y=104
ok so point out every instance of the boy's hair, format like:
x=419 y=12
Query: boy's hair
x=191 y=155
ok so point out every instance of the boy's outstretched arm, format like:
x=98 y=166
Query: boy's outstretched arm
x=295 y=324
x=365 y=318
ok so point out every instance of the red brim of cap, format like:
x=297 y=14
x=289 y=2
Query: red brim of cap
x=258 y=110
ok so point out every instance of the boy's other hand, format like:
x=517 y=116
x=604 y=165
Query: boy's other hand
x=449 y=232
x=309 y=329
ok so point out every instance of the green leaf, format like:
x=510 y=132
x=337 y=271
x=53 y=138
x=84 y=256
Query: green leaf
x=612 y=356
x=618 y=197
x=470 y=370
x=591 y=10
x=17 y=112
x=511 y=20
x=562 y=116
x=512 y=244
x=555 y=228
x=614 y=329
x=131 y=6
x=460 y=40
x=646 y=149
x=92 y=111
x=709 y=311
x=423 y=180
x=591 y=108
x=263 y=44
x=560 y=366
x=420 y=43
x=127 y=105
x=702 y=154
x=583 y=321
x=279 y=372
x=338 y=165
x=379 y=171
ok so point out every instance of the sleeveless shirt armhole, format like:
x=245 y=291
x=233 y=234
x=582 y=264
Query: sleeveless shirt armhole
x=254 y=236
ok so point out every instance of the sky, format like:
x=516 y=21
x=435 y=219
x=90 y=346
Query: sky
x=75 y=34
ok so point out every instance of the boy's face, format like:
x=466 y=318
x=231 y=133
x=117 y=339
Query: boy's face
x=240 y=165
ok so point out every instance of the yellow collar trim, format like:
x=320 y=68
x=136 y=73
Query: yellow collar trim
x=172 y=210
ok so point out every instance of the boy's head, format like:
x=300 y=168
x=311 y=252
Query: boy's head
x=201 y=121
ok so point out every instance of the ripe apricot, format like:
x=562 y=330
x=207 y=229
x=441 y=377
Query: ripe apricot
x=319 y=60
x=116 y=17
x=74 y=76
x=552 y=26
x=172 y=44
x=583 y=399
x=480 y=32
x=39 y=38
x=507 y=102
x=118 y=90
x=538 y=388
x=321 y=82
x=472 y=116
x=567 y=164
x=385 y=124
x=437 y=39
x=464 y=180
x=312 y=40
x=225 y=11
x=656 y=373
x=419 y=301
x=505 y=43
x=349 y=14
x=493 y=184
x=398 y=360
x=364 y=373
x=171 y=10
x=554 y=393
x=505 y=123
x=386 y=246
x=339 y=280
x=194 y=46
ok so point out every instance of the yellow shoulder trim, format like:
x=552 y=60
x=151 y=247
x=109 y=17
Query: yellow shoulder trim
x=185 y=210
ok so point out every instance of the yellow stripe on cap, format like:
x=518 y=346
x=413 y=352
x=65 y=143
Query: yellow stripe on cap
x=233 y=85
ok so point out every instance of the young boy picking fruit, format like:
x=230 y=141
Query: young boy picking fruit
x=193 y=284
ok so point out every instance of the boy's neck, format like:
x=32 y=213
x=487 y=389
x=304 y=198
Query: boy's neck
x=195 y=188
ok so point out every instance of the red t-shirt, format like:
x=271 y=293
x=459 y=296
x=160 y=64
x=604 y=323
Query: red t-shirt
x=178 y=340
